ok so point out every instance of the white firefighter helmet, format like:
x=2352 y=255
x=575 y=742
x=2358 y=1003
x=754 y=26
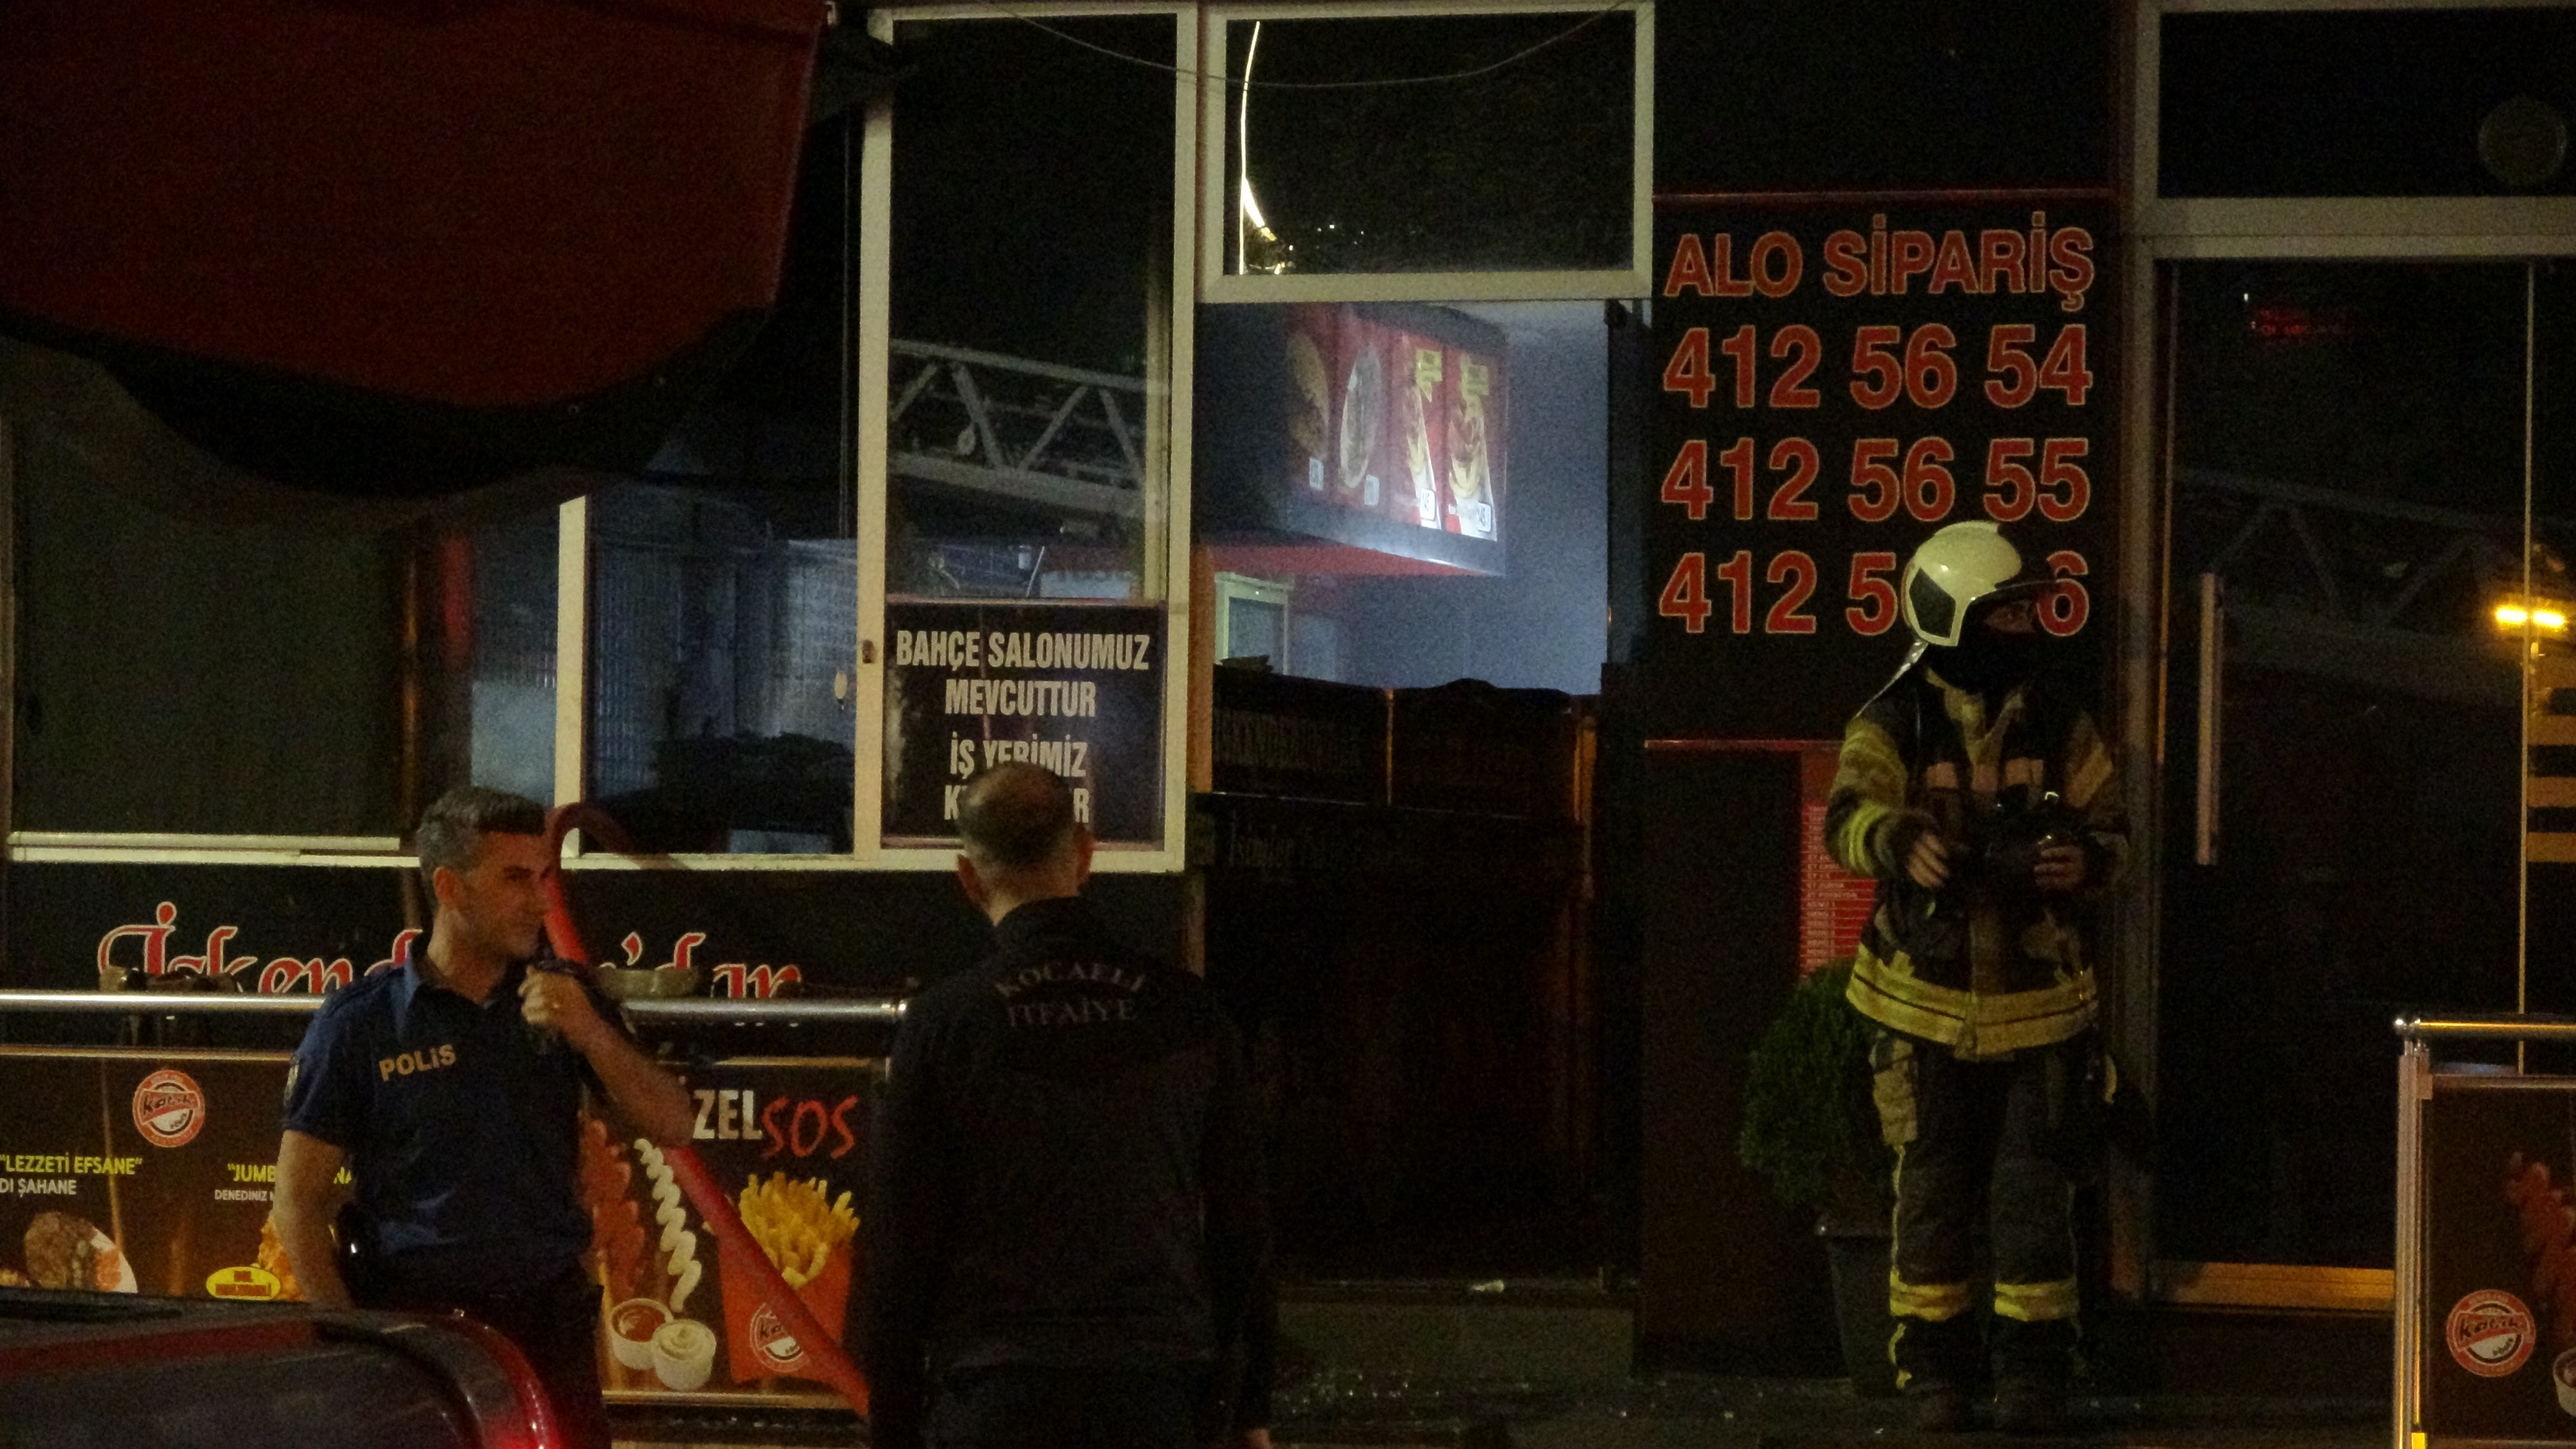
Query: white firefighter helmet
x=1955 y=569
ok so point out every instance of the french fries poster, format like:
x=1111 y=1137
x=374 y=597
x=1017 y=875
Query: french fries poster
x=680 y=1312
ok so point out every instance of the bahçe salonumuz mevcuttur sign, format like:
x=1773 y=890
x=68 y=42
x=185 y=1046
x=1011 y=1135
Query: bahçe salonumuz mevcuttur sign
x=1833 y=387
x=1075 y=687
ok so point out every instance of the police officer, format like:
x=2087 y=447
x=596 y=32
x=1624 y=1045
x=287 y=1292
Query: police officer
x=1067 y=1243
x=451 y=1088
x=1987 y=804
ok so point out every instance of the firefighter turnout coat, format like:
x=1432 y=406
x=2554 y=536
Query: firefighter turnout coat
x=1984 y=967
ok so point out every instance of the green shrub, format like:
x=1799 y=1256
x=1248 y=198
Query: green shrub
x=1808 y=1123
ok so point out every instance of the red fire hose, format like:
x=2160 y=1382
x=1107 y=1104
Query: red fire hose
x=695 y=1182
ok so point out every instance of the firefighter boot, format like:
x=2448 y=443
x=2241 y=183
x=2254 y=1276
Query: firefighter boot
x=2032 y=1363
x=1934 y=1361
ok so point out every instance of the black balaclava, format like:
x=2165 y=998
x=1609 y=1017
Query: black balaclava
x=1988 y=662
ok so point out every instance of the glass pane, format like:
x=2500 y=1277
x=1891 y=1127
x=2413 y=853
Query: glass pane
x=1031 y=292
x=724 y=629
x=1255 y=629
x=184 y=676
x=2552 y=933
x=2347 y=450
x=489 y=611
x=724 y=580
x=514 y=665
x=1528 y=168
x=2337 y=103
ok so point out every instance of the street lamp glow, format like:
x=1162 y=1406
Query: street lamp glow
x=2548 y=616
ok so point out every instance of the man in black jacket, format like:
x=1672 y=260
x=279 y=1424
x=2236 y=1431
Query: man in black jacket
x=1067 y=1243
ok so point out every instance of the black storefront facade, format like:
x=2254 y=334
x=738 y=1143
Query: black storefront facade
x=2268 y=353
x=2326 y=368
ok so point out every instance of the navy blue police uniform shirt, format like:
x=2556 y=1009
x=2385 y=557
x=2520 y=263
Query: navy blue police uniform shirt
x=462 y=1127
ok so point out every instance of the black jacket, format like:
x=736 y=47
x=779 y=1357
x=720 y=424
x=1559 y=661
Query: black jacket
x=1065 y=1173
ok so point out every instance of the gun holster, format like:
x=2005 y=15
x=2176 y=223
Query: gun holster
x=362 y=1264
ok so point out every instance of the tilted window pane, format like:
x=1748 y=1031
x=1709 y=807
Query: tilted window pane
x=488 y=615
x=1529 y=168
x=2429 y=102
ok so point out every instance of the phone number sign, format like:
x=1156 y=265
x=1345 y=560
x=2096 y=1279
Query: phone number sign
x=1835 y=386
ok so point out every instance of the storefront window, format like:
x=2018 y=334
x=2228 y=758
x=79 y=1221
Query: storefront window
x=723 y=635
x=1029 y=373
x=1029 y=380
x=1407 y=494
x=1523 y=168
x=2348 y=515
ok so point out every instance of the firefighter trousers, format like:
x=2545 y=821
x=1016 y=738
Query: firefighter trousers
x=1980 y=1140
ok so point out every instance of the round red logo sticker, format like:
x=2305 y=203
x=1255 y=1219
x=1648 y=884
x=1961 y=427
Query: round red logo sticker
x=772 y=1342
x=169 y=1109
x=2490 y=1333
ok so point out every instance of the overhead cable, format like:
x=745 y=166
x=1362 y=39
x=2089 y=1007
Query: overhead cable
x=1381 y=83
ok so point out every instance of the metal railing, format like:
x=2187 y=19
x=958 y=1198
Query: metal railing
x=2493 y=1026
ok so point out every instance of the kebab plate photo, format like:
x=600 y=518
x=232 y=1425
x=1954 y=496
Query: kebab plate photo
x=64 y=1251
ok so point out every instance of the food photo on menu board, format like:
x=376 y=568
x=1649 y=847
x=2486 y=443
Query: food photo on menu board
x=1395 y=418
x=1382 y=426
x=136 y=1172
x=681 y=1311
x=2499 y=1302
x=665 y=1323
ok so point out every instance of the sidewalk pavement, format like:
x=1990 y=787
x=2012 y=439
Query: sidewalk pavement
x=1335 y=1408
x=1351 y=1409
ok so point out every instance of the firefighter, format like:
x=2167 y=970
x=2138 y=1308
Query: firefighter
x=1986 y=803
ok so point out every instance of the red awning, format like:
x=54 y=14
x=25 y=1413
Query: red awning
x=497 y=204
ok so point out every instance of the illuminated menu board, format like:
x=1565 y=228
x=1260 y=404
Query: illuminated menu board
x=1378 y=426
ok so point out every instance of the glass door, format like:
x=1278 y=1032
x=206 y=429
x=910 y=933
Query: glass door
x=2344 y=724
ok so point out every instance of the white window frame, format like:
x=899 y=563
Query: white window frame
x=2162 y=230
x=1230 y=587
x=1217 y=285
x=874 y=371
